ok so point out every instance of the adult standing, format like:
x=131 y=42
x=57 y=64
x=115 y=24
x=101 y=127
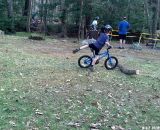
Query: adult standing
x=123 y=27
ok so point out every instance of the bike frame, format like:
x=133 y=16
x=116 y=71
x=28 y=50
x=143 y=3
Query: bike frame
x=102 y=54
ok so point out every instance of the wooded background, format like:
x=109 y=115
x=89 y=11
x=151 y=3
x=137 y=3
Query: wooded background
x=72 y=17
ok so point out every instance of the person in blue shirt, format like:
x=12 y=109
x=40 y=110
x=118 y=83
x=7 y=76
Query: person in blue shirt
x=123 y=27
x=102 y=40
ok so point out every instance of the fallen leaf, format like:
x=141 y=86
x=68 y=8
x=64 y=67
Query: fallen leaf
x=2 y=89
x=12 y=123
x=74 y=124
x=15 y=90
x=95 y=125
x=68 y=80
x=38 y=112
x=117 y=128
x=80 y=75
x=97 y=104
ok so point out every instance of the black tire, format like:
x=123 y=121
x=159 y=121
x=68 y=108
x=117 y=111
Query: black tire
x=83 y=59
x=111 y=66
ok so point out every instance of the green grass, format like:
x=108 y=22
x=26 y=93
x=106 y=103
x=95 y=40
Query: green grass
x=39 y=91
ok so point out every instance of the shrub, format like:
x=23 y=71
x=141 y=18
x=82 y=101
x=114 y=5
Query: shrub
x=20 y=24
x=72 y=30
x=54 y=28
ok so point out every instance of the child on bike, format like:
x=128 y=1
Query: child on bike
x=102 y=40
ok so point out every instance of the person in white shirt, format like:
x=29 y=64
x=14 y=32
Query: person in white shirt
x=94 y=23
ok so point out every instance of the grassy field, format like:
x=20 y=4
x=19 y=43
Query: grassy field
x=42 y=88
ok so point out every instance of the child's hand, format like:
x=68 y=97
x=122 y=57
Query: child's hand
x=109 y=47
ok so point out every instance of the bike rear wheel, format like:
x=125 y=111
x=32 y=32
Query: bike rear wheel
x=111 y=63
x=85 y=61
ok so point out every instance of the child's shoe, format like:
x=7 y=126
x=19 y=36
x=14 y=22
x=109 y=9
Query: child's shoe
x=75 y=51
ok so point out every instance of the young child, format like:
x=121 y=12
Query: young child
x=102 y=40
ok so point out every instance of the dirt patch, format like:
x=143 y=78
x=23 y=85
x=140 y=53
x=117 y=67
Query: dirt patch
x=64 y=47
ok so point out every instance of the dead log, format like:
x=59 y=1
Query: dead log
x=127 y=71
x=35 y=37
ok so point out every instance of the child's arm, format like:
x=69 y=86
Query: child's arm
x=107 y=44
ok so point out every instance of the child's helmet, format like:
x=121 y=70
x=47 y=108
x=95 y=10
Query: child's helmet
x=108 y=28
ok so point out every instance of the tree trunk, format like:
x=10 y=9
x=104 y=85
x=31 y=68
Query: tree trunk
x=148 y=16
x=41 y=10
x=128 y=10
x=26 y=6
x=159 y=20
x=155 y=17
x=80 y=20
x=63 y=18
x=83 y=28
x=159 y=17
x=10 y=8
x=45 y=17
x=28 y=16
x=10 y=13
x=88 y=16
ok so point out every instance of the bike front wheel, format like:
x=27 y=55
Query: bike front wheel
x=85 y=61
x=111 y=63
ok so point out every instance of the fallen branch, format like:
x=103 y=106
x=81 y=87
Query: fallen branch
x=127 y=71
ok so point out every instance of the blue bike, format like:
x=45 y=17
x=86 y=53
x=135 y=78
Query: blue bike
x=110 y=63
